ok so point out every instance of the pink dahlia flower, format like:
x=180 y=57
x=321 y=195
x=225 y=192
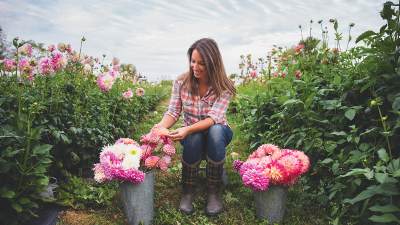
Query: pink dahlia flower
x=127 y=94
x=254 y=179
x=169 y=149
x=105 y=82
x=9 y=65
x=151 y=161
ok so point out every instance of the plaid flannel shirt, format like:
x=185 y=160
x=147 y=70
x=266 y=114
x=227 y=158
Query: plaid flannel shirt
x=196 y=108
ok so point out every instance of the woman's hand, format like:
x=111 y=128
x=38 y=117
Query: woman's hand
x=179 y=134
x=160 y=130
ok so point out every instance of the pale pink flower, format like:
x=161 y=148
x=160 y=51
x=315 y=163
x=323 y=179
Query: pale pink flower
x=24 y=66
x=126 y=141
x=45 y=66
x=127 y=94
x=99 y=175
x=139 y=92
x=57 y=61
x=51 y=48
x=9 y=65
x=105 y=82
x=26 y=49
x=164 y=162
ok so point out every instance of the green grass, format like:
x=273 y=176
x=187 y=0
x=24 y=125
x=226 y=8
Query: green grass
x=239 y=205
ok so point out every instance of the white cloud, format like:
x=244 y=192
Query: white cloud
x=154 y=35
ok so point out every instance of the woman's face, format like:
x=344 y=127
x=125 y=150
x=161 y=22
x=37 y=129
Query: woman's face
x=198 y=66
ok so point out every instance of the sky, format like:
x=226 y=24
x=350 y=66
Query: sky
x=155 y=35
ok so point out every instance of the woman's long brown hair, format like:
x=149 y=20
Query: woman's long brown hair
x=217 y=77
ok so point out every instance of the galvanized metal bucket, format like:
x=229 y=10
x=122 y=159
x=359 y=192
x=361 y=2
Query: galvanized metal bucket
x=138 y=200
x=271 y=204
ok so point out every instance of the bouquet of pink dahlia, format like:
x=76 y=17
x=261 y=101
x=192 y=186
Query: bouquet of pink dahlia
x=271 y=165
x=126 y=160
x=157 y=150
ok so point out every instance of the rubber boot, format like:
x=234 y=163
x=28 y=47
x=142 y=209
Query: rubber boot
x=214 y=182
x=189 y=175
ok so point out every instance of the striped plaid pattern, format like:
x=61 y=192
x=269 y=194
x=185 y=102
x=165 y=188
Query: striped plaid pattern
x=195 y=108
x=214 y=173
x=189 y=174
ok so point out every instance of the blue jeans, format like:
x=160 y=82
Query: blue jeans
x=211 y=143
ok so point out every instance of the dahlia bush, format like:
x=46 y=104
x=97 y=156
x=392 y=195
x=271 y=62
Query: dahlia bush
x=270 y=165
x=127 y=160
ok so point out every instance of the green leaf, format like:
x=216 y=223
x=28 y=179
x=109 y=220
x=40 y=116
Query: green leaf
x=385 y=218
x=326 y=161
x=350 y=113
x=396 y=173
x=396 y=104
x=41 y=149
x=384 y=208
x=7 y=194
x=381 y=177
x=371 y=191
x=366 y=172
x=365 y=35
x=383 y=155
x=339 y=133
x=17 y=207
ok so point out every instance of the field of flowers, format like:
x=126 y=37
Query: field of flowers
x=339 y=105
x=58 y=108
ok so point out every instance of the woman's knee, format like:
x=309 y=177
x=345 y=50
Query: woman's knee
x=193 y=146
x=218 y=134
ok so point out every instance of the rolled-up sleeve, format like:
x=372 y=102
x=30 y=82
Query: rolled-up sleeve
x=218 y=109
x=175 y=103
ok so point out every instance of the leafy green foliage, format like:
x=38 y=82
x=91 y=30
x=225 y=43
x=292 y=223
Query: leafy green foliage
x=344 y=114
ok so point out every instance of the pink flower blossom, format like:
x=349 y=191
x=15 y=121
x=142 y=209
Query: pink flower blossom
x=127 y=94
x=126 y=141
x=169 y=149
x=105 y=82
x=9 y=65
x=299 y=48
x=24 y=66
x=237 y=164
x=26 y=49
x=51 y=48
x=305 y=161
x=254 y=179
x=99 y=175
x=139 y=92
x=164 y=162
x=151 y=161
x=57 y=61
x=45 y=66
x=253 y=74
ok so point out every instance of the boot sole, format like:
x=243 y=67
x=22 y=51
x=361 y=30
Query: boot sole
x=187 y=212
x=214 y=213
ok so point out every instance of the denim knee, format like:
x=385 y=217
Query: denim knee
x=193 y=147
x=218 y=137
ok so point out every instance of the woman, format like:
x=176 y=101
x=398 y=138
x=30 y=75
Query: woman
x=204 y=94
